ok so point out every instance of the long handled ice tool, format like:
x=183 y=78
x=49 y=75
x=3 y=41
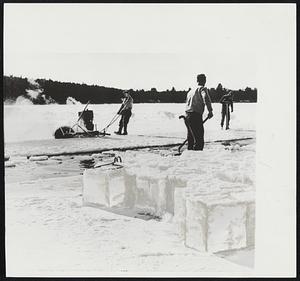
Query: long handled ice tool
x=189 y=129
x=113 y=120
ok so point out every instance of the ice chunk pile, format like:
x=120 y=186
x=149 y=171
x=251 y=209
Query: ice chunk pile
x=209 y=194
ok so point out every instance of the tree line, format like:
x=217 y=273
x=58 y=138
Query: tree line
x=58 y=92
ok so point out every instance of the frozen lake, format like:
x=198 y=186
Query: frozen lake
x=28 y=129
x=46 y=222
x=38 y=122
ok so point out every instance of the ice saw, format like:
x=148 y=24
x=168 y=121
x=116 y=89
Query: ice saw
x=84 y=127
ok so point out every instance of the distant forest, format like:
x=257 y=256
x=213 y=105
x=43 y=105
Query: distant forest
x=49 y=91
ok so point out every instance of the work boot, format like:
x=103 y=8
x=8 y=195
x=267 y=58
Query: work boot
x=125 y=133
x=118 y=133
x=197 y=147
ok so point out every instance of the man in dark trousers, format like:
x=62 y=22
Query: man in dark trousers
x=226 y=100
x=196 y=101
x=125 y=112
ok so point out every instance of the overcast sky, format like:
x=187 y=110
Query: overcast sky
x=139 y=46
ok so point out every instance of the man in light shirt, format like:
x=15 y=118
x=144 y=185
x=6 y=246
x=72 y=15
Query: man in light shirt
x=125 y=112
x=196 y=101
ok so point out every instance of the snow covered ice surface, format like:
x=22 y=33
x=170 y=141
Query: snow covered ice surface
x=54 y=229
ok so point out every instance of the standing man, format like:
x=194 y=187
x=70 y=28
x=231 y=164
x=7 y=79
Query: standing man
x=125 y=112
x=196 y=101
x=226 y=100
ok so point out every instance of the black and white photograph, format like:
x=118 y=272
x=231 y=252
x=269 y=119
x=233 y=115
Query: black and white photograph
x=149 y=140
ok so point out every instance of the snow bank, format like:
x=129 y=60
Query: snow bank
x=210 y=194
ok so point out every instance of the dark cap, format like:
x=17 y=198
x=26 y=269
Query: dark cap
x=201 y=78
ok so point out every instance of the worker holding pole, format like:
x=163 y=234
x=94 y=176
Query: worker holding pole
x=196 y=101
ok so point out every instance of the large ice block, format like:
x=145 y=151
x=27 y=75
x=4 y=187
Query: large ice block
x=196 y=225
x=226 y=227
x=180 y=211
x=215 y=226
x=143 y=198
x=158 y=189
x=104 y=186
x=151 y=193
x=169 y=191
x=250 y=224
x=130 y=188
